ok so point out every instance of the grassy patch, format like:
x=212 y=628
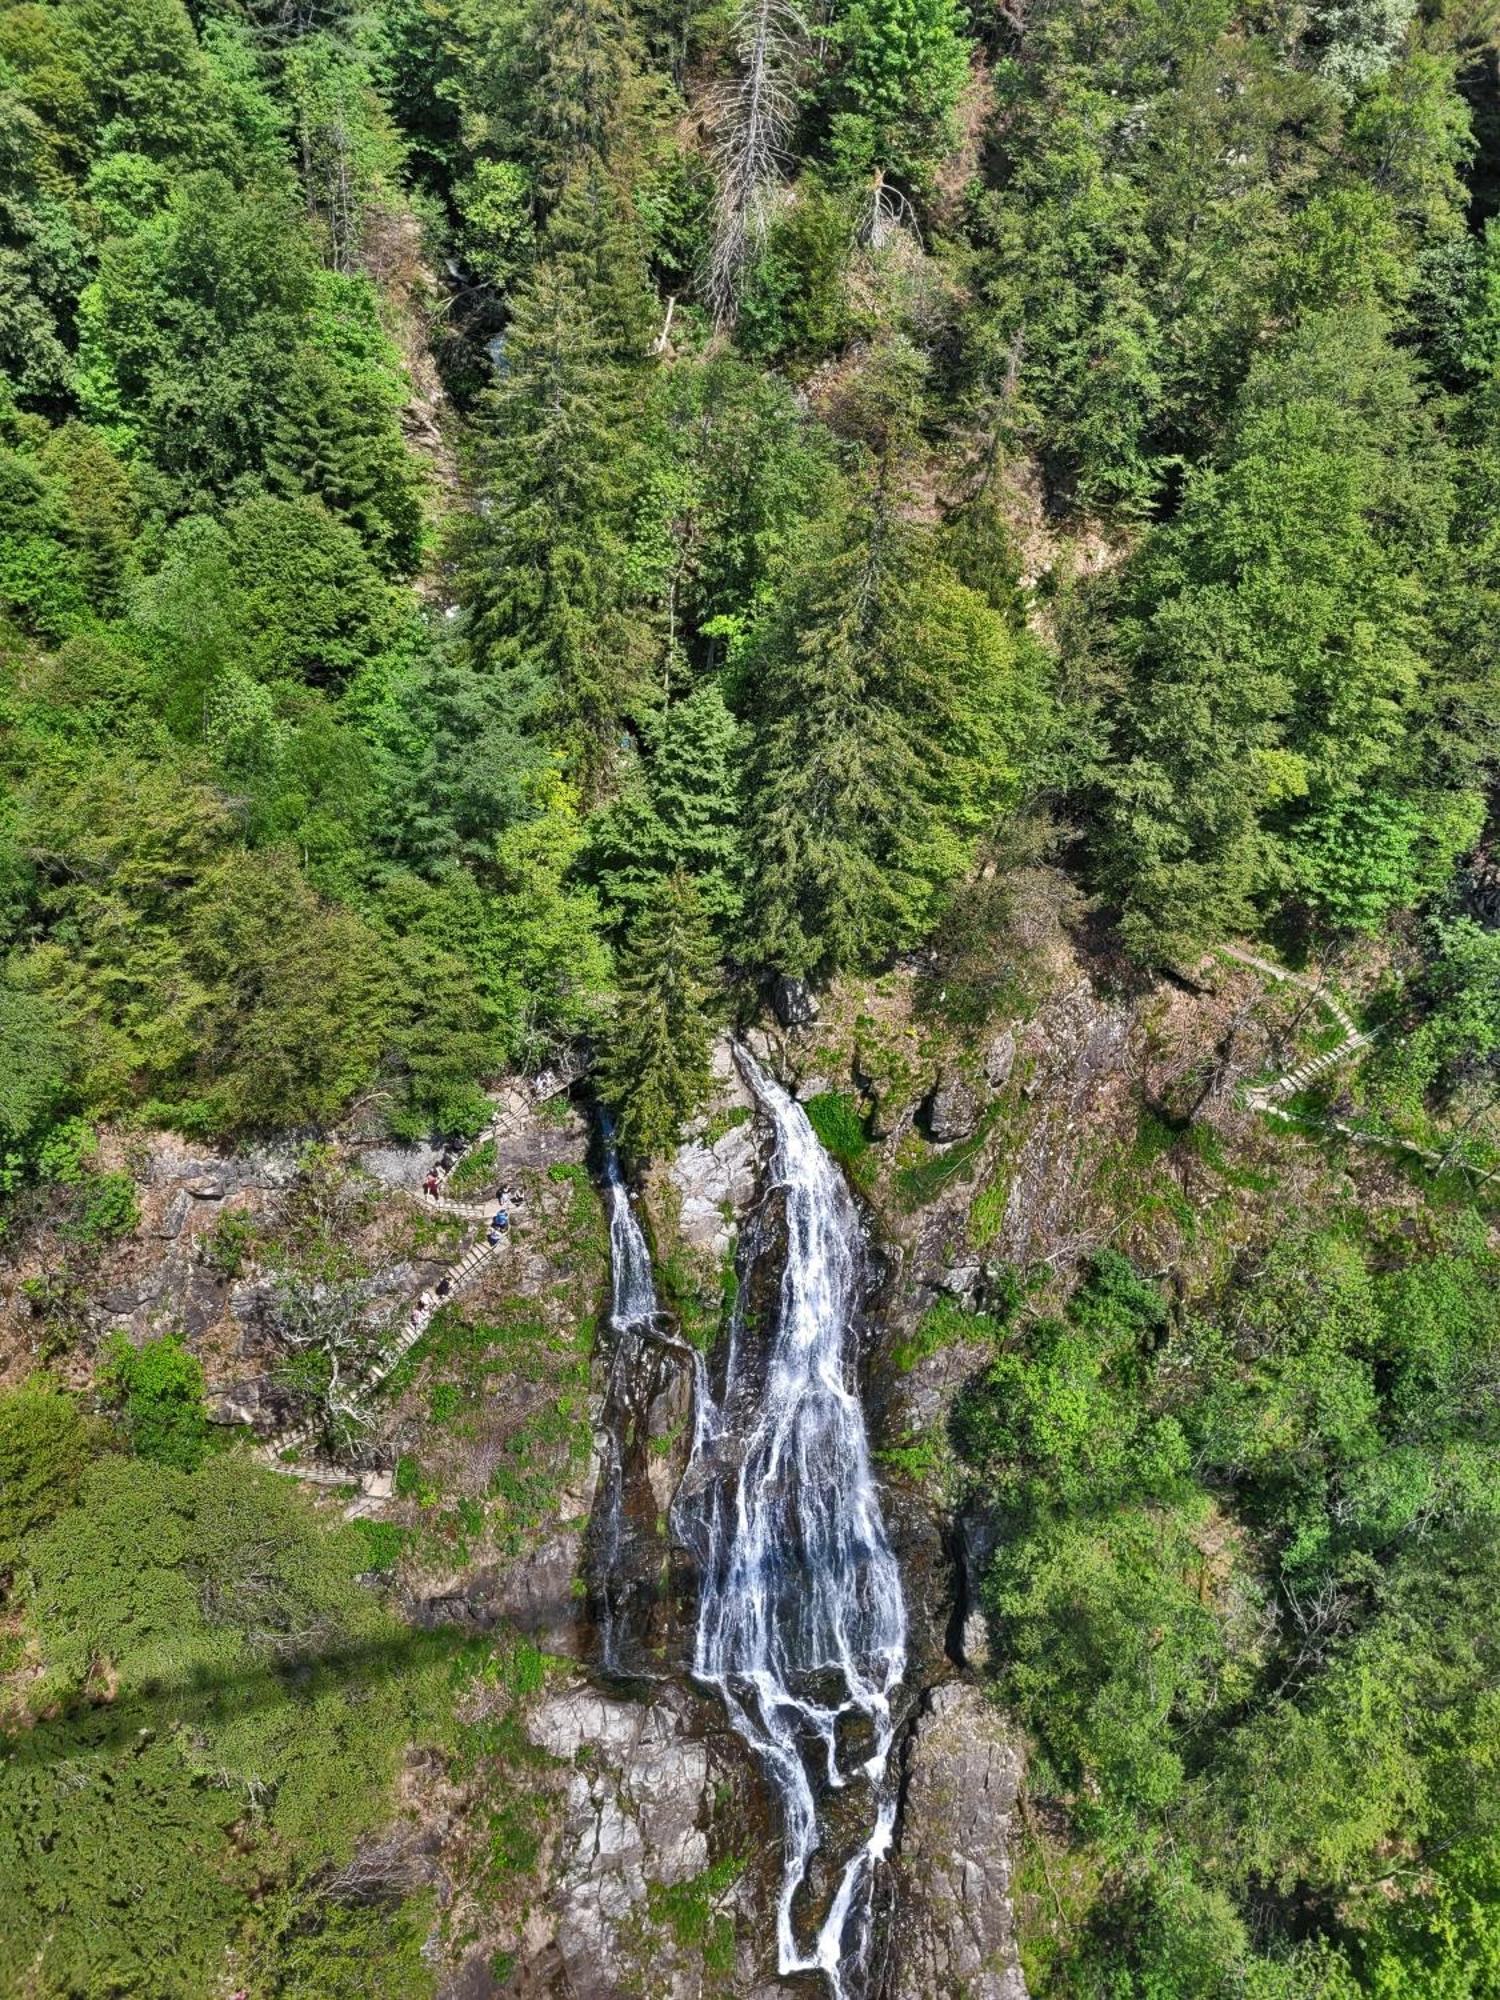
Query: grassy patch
x=687 y=1910
x=941 y=1326
x=923 y=1180
x=836 y=1118
x=918 y=1458
x=474 y=1171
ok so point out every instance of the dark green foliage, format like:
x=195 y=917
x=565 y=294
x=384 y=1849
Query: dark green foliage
x=654 y=1072
x=565 y=642
x=887 y=712
x=680 y=814
x=1278 y=670
x=1092 y=508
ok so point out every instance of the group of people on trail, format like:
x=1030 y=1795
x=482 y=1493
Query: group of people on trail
x=506 y=1198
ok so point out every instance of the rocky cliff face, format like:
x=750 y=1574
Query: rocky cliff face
x=650 y=1860
x=955 y=1925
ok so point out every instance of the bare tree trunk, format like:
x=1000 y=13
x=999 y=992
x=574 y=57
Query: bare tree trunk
x=753 y=115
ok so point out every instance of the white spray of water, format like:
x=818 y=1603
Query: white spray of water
x=632 y=1317
x=801 y=1623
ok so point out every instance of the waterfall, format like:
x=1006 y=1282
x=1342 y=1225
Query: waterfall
x=801 y=1625
x=632 y=1288
x=632 y=1317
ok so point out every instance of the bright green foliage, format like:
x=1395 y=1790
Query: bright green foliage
x=654 y=1072
x=1093 y=507
x=158 y=1387
x=1237 y=1600
x=45 y=1445
x=904 y=63
x=229 y=1624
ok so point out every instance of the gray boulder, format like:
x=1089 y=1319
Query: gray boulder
x=1000 y=1059
x=795 y=1003
x=956 y=1937
x=952 y=1110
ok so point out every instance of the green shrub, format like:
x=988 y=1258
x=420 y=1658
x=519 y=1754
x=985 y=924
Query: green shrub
x=159 y=1388
x=259 y=1702
x=110 y=1209
x=319 y=1949
x=229 y=1245
x=383 y=1540
x=45 y=1444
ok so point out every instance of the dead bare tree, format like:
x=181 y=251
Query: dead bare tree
x=752 y=115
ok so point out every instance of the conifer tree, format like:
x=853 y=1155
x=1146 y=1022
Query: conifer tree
x=551 y=606
x=888 y=710
x=655 y=1072
x=682 y=814
x=1279 y=671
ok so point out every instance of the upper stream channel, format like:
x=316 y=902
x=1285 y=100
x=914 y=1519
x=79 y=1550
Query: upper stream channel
x=801 y=1625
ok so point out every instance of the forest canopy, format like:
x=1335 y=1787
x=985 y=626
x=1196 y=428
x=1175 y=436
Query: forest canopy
x=514 y=542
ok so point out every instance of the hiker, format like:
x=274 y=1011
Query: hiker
x=492 y=1237
x=445 y=1286
x=500 y=1219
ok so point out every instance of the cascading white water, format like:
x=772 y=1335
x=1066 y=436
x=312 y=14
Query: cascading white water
x=801 y=1623
x=632 y=1288
x=632 y=1315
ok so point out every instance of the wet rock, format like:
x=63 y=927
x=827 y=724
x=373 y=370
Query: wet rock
x=956 y=1930
x=952 y=1110
x=765 y=1048
x=976 y=1536
x=711 y=1179
x=632 y=1803
x=537 y=1595
x=1000 y=1059
x=795 y=1003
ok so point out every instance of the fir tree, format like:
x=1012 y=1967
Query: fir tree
x=885 y=732
x=655 y=1073
x=545 y=571
x=681 y=813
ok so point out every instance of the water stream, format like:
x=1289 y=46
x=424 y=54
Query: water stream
x=801 y=1623
x=628 y=1388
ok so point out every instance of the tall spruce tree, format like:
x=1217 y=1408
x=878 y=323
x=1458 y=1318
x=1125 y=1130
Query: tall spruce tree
x=655 y=1072
x=1280 y=673
x=682 y=813
x=886 y=718
x=553 y=616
